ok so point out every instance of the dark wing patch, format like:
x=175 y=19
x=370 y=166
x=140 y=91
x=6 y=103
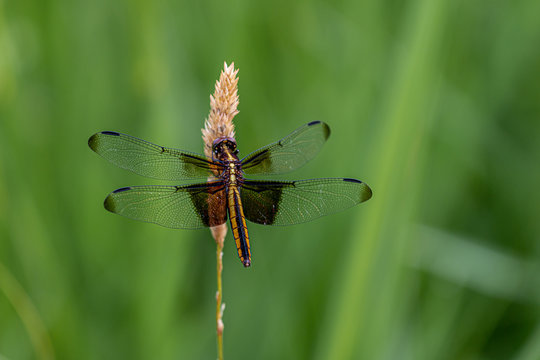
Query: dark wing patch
x=261 y=200
x=290 y=153
x=178 y=207
x=294 y=202
x=150 y=160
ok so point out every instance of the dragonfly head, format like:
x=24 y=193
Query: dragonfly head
x=223 y=146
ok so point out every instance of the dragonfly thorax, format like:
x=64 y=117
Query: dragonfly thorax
x=224 y=150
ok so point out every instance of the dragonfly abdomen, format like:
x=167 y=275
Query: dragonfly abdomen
x=238 y=225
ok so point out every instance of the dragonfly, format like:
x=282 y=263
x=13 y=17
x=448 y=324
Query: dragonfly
x=226 y=193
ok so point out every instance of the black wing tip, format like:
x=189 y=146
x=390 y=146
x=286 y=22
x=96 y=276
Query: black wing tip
x=113 y=133
x=366 y=194
x=325 y=127
x=109 y=202
x=352 y=180
x=94 y=139
x=122 y=189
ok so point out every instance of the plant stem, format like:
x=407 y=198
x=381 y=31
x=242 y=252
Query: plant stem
x=219 y=306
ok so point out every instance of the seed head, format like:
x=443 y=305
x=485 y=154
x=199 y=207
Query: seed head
x=223 y=108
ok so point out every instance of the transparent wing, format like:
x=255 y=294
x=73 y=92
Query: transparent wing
x=289 y=153
x=148 y=159
x=293 y=202
x=178 y=207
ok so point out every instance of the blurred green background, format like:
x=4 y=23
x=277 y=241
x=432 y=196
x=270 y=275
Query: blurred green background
x=435 y=104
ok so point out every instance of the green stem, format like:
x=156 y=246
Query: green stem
x=219 y=306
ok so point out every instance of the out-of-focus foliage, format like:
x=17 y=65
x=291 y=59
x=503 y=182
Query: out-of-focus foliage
x=433 y=103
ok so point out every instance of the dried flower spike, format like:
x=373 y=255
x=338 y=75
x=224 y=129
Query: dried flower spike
x=223 y=108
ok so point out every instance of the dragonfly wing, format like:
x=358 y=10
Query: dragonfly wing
x=294 y=202
x=289 y=153
x=150 y=160
x=178 y=207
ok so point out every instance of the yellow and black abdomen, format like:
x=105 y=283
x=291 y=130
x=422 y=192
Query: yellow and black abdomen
x=238 y=225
